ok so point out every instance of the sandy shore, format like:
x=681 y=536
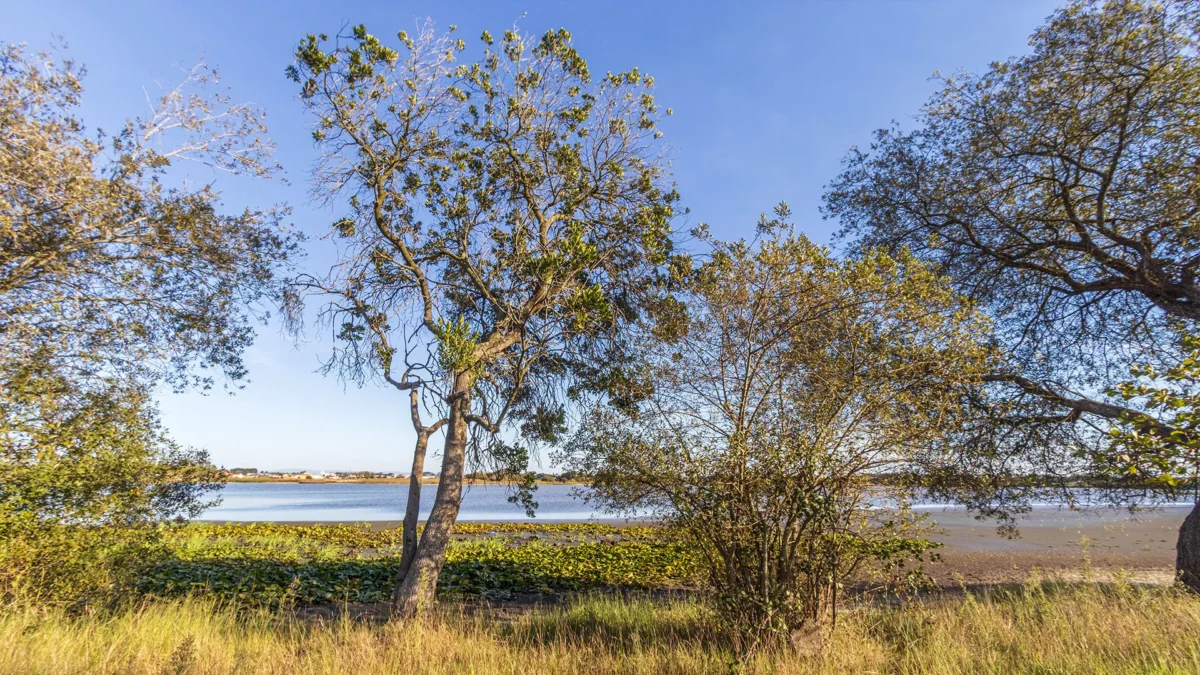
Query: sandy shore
x=1059 y=543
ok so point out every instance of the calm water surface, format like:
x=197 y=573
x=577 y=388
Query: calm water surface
x=359 y=502
x=362 y=502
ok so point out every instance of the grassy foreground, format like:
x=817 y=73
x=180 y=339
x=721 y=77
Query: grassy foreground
x=1041 y=628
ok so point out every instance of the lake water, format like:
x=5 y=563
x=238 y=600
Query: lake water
x=361 y=502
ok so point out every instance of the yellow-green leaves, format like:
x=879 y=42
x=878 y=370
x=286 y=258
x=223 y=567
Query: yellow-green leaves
x=589 y=308
x=1160 y=446
x=344 y=227
x=456 y=344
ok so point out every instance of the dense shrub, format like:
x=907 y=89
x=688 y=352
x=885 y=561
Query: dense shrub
x=792 y=381
x=86 y=478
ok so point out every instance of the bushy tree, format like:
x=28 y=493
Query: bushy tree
x=508 y=211
x=773 y=412
x=100 y=259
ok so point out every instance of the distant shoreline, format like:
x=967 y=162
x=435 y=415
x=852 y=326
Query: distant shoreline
x=385 y=481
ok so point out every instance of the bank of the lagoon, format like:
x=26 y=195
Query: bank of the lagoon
x=1051 y=536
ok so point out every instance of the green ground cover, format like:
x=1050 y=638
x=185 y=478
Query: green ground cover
x=274 y=564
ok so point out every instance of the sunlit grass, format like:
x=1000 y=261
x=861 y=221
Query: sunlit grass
x=1041 y=628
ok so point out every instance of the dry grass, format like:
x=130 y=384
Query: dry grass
x=1041 y=628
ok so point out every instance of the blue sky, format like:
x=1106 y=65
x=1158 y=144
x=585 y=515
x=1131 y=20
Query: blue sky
x=768 y=97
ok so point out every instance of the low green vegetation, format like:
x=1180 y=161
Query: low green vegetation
x=82 y=499
x=271 y=564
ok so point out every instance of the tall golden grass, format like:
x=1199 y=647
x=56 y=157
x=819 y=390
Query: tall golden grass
x=1040 y=628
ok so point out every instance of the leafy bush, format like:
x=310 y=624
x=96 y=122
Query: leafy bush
x=86 y=476
x=793 y=381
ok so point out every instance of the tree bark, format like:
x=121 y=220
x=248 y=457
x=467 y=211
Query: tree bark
x=1187 y=551
x=416 y=593
x=411 y=514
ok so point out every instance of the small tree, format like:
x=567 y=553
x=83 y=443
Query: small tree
x=511 y=210
x=796 y=384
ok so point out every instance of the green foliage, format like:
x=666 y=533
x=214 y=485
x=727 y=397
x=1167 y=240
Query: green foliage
x=505 y=212
x=506 y=209
x=456 y=343
x=793 y=380
x=1056 y=188
x=265 y=563
x=1162 y=445
x=74 y=567
x=106 y=262
x=85 y=476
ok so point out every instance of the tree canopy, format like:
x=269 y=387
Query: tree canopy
x=1059 y=190
x=116 y=274
x=103 y=261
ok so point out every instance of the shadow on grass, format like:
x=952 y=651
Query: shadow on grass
x=619 y=623
x=273 y=582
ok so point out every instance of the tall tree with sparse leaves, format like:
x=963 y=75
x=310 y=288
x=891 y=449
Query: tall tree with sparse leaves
x=511 y=207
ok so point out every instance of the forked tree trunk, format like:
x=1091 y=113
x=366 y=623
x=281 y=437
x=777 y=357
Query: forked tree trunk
x=412 y=512
x=416 y=593
x=1187 y=551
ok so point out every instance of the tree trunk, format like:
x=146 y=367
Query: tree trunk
x=416 y=593
x=411 y=514
x=1187 y=551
